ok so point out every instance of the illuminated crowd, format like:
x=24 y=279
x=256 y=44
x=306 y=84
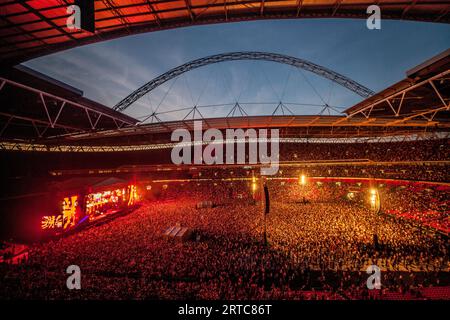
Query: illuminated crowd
x=421 y=150
x=427 y=150
x=319 y=244
x=426 y=206
x=419 y=160
x=411 y=172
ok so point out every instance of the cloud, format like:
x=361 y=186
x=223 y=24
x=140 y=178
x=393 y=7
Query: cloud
x=104 y=75
x=109 y=71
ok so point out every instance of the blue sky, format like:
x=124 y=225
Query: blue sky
x=109 y=71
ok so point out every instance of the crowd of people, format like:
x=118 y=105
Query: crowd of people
x=426 y=150
x=418 y=150
x=411 y=172
x=318 y=245
x=410 y=160
x=426 y=206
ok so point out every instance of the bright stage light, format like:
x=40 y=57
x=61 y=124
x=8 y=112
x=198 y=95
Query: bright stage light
x=302 y=180
x=373 y=197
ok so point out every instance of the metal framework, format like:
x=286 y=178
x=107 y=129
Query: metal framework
x=33 y=28
x=310 y=127
x=396 y=101
x=20 y=146
x=234 y=56
x=416 y=106
x=42 y=125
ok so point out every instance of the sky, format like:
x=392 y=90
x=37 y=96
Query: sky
x=108 y=71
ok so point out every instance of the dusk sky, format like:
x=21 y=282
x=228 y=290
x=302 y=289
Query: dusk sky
x=108 y=71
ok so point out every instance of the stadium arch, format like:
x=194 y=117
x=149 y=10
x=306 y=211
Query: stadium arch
x=249 y=55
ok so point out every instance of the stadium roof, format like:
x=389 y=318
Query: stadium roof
x=39 y=109
x=29 y=29
x=37 y=106
x=419 y=103
x=424 y=94
x=60 y=115
x=291 y=126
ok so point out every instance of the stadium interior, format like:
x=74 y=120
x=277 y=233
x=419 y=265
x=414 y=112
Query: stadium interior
x=87 y=184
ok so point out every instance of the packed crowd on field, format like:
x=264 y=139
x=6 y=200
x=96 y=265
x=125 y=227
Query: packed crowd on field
x=426 y=206
x=319 y=244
